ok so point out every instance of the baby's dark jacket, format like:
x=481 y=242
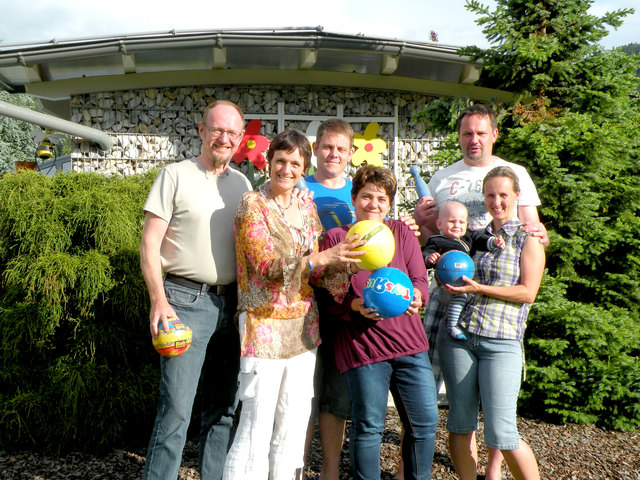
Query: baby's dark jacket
x=469 y=243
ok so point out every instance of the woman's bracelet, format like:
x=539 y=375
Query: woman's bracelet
x=310 y=264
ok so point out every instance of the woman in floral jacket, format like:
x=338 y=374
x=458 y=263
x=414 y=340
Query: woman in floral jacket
x=276 y=250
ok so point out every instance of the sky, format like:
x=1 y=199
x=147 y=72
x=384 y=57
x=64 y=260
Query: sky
x=40 y=20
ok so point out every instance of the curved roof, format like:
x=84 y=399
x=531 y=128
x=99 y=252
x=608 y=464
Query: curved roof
x=56 y=69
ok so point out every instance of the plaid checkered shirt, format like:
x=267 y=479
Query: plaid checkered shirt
x=491 y=317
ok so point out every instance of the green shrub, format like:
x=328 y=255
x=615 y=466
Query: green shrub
x=77 y=368
x=583 y=362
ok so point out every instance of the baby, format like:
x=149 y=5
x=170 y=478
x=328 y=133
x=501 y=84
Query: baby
x=452 y=223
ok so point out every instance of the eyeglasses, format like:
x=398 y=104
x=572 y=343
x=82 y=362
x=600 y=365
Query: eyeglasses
x=217 y=132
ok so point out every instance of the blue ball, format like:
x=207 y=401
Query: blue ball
x=452 y=266
x=388 y=291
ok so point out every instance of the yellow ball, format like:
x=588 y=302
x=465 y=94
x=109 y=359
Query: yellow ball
x=380 y=246
x=174 y=343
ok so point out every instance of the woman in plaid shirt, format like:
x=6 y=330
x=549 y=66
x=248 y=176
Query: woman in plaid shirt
x=487 y=367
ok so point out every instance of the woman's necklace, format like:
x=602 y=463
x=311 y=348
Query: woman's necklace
x=281 y=208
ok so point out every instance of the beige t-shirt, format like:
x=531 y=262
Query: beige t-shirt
x=200 y=208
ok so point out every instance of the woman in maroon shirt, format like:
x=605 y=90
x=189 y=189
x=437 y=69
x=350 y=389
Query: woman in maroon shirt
x=377 y=355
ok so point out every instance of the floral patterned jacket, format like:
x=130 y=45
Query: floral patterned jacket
x=281 y=312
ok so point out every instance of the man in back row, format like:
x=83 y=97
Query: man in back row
x=462 y=182
x=333 y=149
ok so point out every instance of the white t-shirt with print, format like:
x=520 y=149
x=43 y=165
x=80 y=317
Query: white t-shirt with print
x=463 y=183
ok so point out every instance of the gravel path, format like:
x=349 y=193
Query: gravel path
x=564 y=452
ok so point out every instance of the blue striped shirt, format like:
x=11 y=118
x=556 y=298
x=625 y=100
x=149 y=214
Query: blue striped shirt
x=488 y=316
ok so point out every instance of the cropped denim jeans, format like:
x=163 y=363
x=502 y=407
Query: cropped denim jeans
x=410 y=380
x=213 y=361
x=487 y=371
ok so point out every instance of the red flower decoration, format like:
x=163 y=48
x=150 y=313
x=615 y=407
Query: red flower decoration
x=252 y=146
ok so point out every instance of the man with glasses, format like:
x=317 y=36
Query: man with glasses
x=188 y=235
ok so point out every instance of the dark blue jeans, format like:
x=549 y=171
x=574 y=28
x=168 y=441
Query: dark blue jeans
x=410 y=380
x=213 y=360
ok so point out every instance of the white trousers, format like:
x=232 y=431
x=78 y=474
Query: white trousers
x=276 y=404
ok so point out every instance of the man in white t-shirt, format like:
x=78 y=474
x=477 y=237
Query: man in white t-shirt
x=462 y=182
x=188 y=236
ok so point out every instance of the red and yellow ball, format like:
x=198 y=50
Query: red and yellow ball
x=174 y=343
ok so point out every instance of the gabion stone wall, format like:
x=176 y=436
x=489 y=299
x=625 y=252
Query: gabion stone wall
x=153 y=126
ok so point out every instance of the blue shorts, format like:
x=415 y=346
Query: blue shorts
x=331 y=395
x=487 y=370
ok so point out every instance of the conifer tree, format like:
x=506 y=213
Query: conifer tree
x=549 y=49
x=576 y=128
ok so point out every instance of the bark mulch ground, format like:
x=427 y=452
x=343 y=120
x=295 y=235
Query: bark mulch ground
x=564 y=452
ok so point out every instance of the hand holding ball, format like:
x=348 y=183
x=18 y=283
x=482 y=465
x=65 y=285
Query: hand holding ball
x=174 y=343
x=389 y=292
x=452 y=266
x=380 y=246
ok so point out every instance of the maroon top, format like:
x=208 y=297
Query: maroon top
x=360 y=341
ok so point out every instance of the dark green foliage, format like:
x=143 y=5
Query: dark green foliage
x=584 y=336
x=77 y=368
x=583 y=362
x=16 y=142
x=550 y=49
x=632 y=49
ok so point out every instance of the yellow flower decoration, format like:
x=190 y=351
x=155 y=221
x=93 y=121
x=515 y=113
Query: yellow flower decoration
x=369 y=148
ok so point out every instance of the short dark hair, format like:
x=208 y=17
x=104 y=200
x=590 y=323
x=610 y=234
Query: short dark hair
x=478 y=109
x=503 y=171
x=335 y=125
x=215 y=103
x=288 y=141
x=379 y=176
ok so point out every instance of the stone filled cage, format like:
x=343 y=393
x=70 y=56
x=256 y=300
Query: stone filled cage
x=152 y=127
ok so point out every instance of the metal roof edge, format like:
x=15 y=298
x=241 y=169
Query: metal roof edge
x=305 y=37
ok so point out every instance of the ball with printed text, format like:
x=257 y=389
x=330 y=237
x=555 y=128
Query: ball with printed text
x=388 y=291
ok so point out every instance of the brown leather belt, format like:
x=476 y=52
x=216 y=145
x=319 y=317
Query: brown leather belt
x=219 y=290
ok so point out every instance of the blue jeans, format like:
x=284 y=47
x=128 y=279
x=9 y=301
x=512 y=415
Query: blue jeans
x=212 y=360
x=411 y=382
x=488 y=371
